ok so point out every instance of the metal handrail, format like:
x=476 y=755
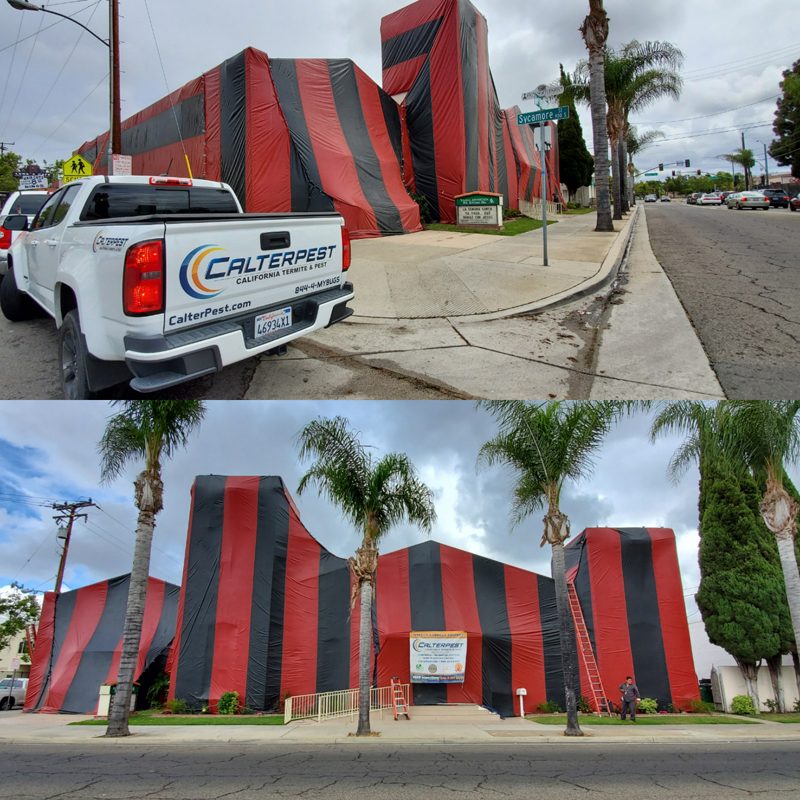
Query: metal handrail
x=326 y=705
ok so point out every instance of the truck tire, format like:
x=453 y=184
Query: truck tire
x=72 y=357
x=15 y=305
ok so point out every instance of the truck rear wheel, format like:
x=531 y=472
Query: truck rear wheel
x=15 y=305
x=72 y=356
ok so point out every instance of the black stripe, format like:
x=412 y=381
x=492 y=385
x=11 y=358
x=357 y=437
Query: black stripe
x=96 y=657
x=160 y=130
x=490 y=594
x=347 y=100
x=469 y=76
x=307 y=191
x=551 y=639
x=333 y=621
x=62 y=619
x=419 y=108
x=197 y=635
x=273 y=518
x=577 y=554
x=233 y=125
x=644 y=626
x=529 y=146
x=278 y=526
x=427 y=607
x=165 y=631
x=502 y=164
x=391 y=116
x=410 y=44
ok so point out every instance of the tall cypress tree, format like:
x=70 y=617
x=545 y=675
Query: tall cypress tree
x=575 y=161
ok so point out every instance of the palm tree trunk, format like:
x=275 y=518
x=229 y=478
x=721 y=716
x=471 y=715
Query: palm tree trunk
x=776 y=676
x=364 y=642
x=622 y=157
x=616 y=179
x=749 y=672
x=134 y=614
x=796 y=662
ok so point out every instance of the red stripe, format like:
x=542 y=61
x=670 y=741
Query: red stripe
x=609 y=608
x=40 y=660
x=174 y=653
x=336 y=164
x=400 y=78
x=268 y=160
x=409 y=180
x=672 y=612
x=527 y=642
x=89 y=605
x=394 y=617
x=515 y=134
x=235 y=588
x=300 y=611
x=213 y=157
x=369 y=94
x=483 y=102
x=461 y=614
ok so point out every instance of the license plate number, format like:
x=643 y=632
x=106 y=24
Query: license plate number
x=273 y=321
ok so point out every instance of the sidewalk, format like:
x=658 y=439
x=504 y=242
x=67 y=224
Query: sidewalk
x=424 y=728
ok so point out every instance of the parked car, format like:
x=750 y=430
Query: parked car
x=25 y=202
x=730 y=200
x=777 y=198
x=710 y=199
x=751 y=200
x=692 y=198
x=794 y=203
x=727 y=194
x=12 y=692
x=665 y=199
x=650 y=198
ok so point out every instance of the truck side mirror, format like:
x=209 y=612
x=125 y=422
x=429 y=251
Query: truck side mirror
x=16 y=222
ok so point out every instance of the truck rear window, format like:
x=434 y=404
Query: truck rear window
x=111 y=201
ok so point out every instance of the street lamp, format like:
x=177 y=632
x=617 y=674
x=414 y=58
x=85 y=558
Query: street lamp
x=112 y=43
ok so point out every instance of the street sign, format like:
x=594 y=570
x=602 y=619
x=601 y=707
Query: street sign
x=76 y=167
x=545 y=115
x=33 y=181
x=651 y=174
x=123 y=165
x=15 y=664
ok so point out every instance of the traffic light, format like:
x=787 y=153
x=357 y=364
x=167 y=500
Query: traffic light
x=673 y=173
x=698 y=172
x=660 y=167
x=688 y=164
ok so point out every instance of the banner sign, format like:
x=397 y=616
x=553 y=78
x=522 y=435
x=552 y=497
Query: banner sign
x=438 y=656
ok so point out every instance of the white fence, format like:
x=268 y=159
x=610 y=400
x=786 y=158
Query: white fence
x=326 y=705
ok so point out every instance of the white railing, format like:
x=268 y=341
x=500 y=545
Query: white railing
x=326 y=705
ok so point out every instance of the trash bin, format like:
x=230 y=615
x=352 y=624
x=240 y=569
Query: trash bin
x=107 y=691
x=705 y=690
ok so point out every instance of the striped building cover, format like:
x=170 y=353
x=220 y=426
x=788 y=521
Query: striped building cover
x=287 y=135
x=629 y=586
x=265 y=610
x=79 y=642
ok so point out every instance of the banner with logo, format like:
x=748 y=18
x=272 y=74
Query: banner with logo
x=438 y=656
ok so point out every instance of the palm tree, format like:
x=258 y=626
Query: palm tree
x=149 y=430
x=373 y=495
x=548 y=444
x=636 y=142
x=743 y=156
x=595 y=33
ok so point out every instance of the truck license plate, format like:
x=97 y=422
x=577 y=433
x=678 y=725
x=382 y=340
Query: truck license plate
x=273 y=321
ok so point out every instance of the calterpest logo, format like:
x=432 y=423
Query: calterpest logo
x=110 y=243
x=193 y=266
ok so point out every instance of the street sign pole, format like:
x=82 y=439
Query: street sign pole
x=543 y=156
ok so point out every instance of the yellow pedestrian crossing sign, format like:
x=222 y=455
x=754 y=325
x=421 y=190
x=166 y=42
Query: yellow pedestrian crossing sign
x=76 y=167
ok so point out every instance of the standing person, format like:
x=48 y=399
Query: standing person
x=630 y=696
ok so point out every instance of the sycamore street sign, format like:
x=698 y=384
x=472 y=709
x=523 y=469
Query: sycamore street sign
x=545 y=115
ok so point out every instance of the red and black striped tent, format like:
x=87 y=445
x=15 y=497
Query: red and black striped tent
x=287 y=135
x=79 y=642
x=629 y=586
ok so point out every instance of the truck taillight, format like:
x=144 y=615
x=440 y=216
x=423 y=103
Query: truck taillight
x=5 y=238
x=345 y=249
x=143 y=281
x=165 y=180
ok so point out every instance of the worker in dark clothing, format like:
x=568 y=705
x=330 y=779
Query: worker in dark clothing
x=630 y=697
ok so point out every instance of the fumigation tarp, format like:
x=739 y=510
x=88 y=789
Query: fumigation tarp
x=79 y=642
x=629 y=586
x=287 y=135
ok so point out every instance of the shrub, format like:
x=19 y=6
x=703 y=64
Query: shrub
x=742 y=704
x=157 y=693
x=797 y=706
x=549 y=707
x=648 y=706
x=772 y=705
x=425 y=213
x=583 y=705
x=229 y=703
x=702 y=707
x=176 y=706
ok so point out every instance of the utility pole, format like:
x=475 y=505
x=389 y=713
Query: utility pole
x=67 y=512
x=746 y=168
x=3 y=146
x=114 y=132
x=766 y=167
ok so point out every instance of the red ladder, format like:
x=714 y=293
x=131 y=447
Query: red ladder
x=398 y=699
x=599 y=698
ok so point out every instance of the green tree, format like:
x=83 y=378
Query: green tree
x=374 y=496
x=546 y=445
x=785 y=148
x=576 y=164
x=18 y=609
x=743 y=156
x=150 y=430
x=9 y=164
x=595 y=34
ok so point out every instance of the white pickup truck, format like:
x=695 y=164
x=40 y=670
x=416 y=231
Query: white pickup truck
x=159 y=280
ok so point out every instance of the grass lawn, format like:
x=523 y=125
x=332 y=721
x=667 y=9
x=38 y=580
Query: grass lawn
x=156 y=718
x=644 y=719
x=512 y=227
x=578 y=210
x=795 y=717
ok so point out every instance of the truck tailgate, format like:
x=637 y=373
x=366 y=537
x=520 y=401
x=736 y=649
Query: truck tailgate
x=239 y=266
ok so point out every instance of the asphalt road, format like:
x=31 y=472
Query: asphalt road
x=114 y=769
x=737 y=274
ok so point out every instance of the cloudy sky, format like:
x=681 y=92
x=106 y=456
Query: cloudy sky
x=48 y=453
x=54 y=94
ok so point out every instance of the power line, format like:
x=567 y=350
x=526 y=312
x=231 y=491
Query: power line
x=706 y=116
